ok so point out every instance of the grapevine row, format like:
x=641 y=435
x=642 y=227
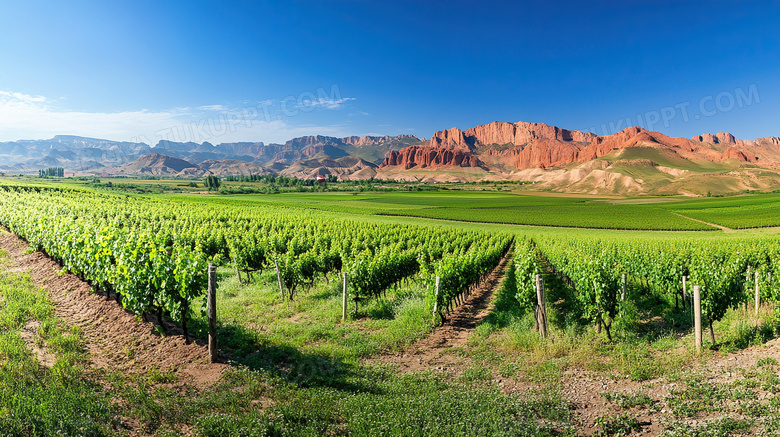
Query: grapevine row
x=153 y=253
x=595 y=268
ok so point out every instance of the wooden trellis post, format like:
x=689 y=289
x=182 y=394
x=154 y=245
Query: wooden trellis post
x=212 y=312
x=758 y=295
x=542 y=307
x=436 y=302
x=697 y=317
x=344 y=299
x=623 y=291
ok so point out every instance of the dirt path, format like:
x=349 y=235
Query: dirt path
x=435 y=350
x=115 y=339
x=722 y=228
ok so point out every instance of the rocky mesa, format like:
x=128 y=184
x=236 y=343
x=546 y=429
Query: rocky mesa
x=524 y=145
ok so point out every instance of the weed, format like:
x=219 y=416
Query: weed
x=620 y=425
x=475 y=374
x=156 y=376
x=754 y=409
x=508 y=370
x=722 y=427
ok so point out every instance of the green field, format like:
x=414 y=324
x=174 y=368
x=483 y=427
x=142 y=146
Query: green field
x=739 y=212
x=752 y=211
x=481 y=204
x=490 y=208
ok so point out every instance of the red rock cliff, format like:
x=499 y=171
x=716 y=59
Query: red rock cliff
x=740 y=155
x=527 y=145
x=430 y=157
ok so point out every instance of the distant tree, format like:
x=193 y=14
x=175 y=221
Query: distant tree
x=51 y=172
x=212 y=183
x=332 y=178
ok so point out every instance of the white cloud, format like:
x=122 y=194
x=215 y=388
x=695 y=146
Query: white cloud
x=24 y=116
x=213 y=108
x=331 y=103
x=21 y=98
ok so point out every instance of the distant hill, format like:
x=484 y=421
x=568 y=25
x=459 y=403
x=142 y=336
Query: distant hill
x=73 y=153
x=346 y=168
x=231 y=167
x=305 y=156
x=633 y=161
x=157 y=165
x=528 y=145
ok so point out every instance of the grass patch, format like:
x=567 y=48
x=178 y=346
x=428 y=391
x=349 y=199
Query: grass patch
x=41 y=401
x=620 y=425
x=647 y=345
x=720 y=427
x=258 y=329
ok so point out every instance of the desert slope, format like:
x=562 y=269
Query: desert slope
x=632 y=161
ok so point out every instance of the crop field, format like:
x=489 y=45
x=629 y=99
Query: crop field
x=493 y=208
x=471 y=203
x=739 y=212
x=735 y=212
x=440 y=335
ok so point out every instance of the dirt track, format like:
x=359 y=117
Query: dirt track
x=115 y=338
x=432 y=351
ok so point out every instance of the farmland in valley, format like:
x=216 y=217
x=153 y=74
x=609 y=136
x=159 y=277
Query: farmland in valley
x=662 y=213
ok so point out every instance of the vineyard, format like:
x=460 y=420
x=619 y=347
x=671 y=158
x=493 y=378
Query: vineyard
x=280 y=270
x=729 y=273
x=736 y=213
x=152 y=255
x=491 y=207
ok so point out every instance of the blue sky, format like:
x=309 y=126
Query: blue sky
x=269 y=71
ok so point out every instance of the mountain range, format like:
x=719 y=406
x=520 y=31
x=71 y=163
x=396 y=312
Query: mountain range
x=632 y=161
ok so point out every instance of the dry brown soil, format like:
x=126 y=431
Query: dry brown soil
x=115 y=339
x=436 y=350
